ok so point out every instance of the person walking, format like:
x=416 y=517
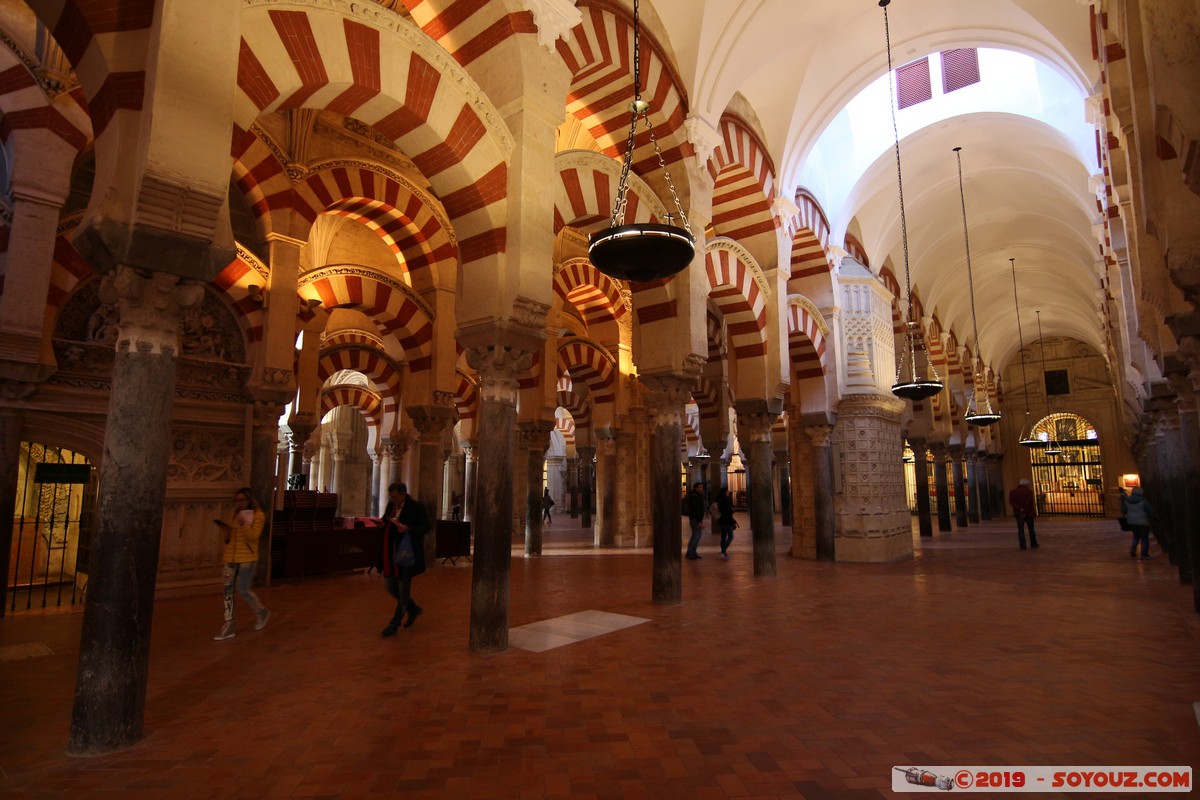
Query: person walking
x=241 y=559
x=547 y=504
x=725 y=520
x=1137 y=512
x=403 y=556
x=695 y=509
x=1024 y=506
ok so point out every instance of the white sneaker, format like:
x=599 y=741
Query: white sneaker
x=262 y=618
x=227 y=632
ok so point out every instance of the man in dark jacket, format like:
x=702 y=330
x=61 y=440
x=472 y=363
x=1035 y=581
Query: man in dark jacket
x=1024 y=506
x=405 y=526
x=1137 y=512
x=695 y=511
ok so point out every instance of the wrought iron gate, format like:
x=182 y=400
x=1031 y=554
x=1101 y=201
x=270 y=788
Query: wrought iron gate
x=52 y=528
x=1071 y=481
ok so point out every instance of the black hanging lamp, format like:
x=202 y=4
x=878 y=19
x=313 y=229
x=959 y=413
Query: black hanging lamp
x=911 y=383
x=646 y=251
x=1025 y=437
x=975 y=414
x=1052 y=448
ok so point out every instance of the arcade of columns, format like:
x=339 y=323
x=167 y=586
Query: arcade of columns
x=189 y=328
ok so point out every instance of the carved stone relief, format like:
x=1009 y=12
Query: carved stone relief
x=206 y=455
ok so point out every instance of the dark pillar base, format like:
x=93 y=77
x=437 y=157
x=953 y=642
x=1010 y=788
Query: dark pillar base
x=668 y=523
x=493 y=527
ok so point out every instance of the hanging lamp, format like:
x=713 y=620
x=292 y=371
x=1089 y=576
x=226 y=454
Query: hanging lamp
x=911 y=384
x=975 y=415
x=1052 y=448
x=1025 y=437
x=645 y=251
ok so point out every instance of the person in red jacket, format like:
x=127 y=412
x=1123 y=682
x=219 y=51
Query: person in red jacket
x=1024 y=506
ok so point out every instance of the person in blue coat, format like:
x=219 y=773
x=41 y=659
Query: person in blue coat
x=403 y=556
x=1137 y=512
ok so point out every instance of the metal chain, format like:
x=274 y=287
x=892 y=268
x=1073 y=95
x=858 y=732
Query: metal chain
x=971 y=288
x=667 y=174
x=899 y=176
x=1020 y=336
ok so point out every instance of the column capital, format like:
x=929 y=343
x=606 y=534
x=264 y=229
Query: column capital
x=431 y=421
x=819 y=435
x=534 y=434
x=755 y=426
x=149 y=306
x=397 y=444
x=666 y=394
x=499 y=366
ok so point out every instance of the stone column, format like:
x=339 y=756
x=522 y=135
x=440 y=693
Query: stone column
x=666 y=394
x=754 y=433
x=942 y=486
x=378 y=456
x=921 y=469
x=534 y=439
x=971 y=464
x=264 y=460
x=626 y=486
x=1187 y=528
x=996 y=483
x=606 y=491
x=114 y=650
x=824 y=508
x=873 y=520
x=785 y=488
x=10 y=460
x=338 y=454
x=985 y=489
x=586 y=456
x=960 y=494
x=804 y=517
x=716 y=470
x=297 y=436
x=431 y=422
x=469 y=453
x=639 y=476
x=312 y=453
x=499 y=368
x=573 y=484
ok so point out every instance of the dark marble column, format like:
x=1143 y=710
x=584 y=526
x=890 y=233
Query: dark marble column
x=960 y=493
x=499 y=368
x=10 y=460
x=586 y=456
x=942 y=486
x=1188 y=526
x=804 y=518
x=573 y=484
x=715 y=470
x=114 y=650
x=985 y=490
x=297 y=435
x=606 y=491
x=921 y=470
x=971 y=469
x=785 y=486
x=534 y=438
x=823 y=493
x=1168 y=491
x=264 y=458
x=666 y=395
x=431 y=422
x=754 y=433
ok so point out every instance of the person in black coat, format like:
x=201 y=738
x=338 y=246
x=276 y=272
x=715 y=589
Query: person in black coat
x=405 y=525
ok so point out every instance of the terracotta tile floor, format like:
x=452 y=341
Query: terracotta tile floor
x=812 y=684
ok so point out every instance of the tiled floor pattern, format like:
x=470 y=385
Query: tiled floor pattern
x=538 y=637
x=811 y=684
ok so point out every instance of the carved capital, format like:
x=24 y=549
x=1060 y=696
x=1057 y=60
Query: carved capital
x=499 y=367
x=534 y=434
x=667 y=394
x=755 y=426
x=819 y=435
x=431 y=421
x=149 y=306
x=397 y=445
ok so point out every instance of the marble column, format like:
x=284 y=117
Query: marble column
x=431 y=422
x=606 y=491
x=297 y=437
x=971 y=464
x=921 y=469
x=573 y=484
x=754 y=433
x=312 y=453
x=586 y=457
x=984 y=495
x=716 y=470
x=114 y=650
x=821 y=437
x=1171 y=487
x=1189 y=466
x=469 y=473
x=10 y=461
x=666 y=395
x=338 y=454
x=264 y=460
x=534 y=439
x=499 y=368
x=960 y=494
x=804 y=518
x=942 y=485
x=627 y=517
x=785 y=488
x=378 y=456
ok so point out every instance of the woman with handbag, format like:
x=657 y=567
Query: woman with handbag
x=405 y=525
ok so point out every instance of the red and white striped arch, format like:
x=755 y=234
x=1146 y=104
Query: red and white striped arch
x=565 y=425
x=235 y=281
x=893 y=286
x=359 y=397
x=579 y=407
x=744 y=183
x=594 y=295
x=587 y=190
x=466 y=395
x=587 y=363
x=396 y=81
x=372 y=362
x=714 y=334
x=67 y=270
x=810 y=242
x=599 y=55
x=734 y=287
x=394 y=307
x=468 y=29
x=24 y=106
x=90 y=34
x=707 y=396
x=807 y=332
x=854 y=247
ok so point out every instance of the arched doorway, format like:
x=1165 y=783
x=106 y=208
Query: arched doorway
x=1071 y=482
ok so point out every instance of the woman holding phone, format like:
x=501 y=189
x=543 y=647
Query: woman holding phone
x=241 y=557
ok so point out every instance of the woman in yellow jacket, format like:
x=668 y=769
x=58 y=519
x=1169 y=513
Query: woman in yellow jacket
x=241 y=557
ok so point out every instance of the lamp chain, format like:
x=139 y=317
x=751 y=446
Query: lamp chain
x=971 y=287
x=1020 y=336
x=899 y=176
